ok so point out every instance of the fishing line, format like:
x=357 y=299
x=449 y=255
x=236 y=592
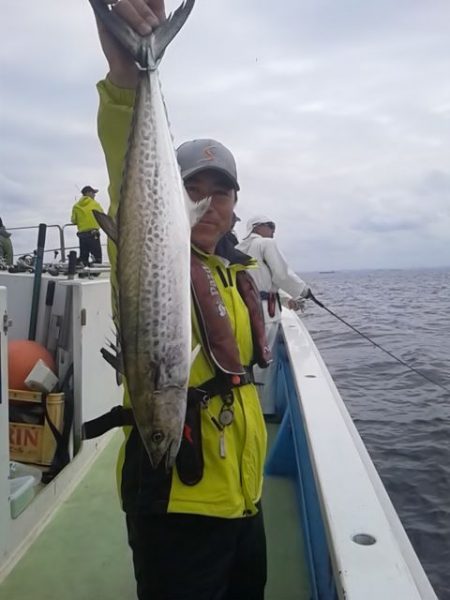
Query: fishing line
x=402 y=362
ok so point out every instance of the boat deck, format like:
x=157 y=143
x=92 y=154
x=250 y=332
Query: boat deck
x=83 y=554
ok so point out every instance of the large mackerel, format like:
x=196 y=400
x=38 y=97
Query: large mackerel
x=152 y=234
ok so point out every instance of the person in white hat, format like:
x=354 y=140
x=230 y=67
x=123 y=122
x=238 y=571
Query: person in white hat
x=273 y=274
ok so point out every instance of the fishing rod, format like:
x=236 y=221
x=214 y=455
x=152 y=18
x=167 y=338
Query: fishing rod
x=311 y=296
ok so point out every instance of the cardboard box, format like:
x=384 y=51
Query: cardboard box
x=41 y=378
x=30 y=438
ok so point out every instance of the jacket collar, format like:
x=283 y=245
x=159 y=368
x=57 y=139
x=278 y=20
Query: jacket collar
x=229 y=254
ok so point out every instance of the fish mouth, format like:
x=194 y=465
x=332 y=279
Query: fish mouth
x=169 y=459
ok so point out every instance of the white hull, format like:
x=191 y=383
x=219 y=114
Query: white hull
x=350 y=497
x=95 y=392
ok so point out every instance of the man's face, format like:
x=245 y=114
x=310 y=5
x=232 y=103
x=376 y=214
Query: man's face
x=265 y=229
x=217 y=219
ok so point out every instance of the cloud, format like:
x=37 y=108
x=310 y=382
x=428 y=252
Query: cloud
x=384 y=224
x=338 y=114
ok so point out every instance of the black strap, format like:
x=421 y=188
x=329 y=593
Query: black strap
x=119 y=416
x=61 y=457
x=266 y=296
x=221 y=385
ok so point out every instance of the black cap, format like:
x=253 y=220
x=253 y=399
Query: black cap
x=87 y=189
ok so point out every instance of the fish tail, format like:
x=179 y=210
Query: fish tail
x=164 y=34
x=146 y=50
x=124 y=34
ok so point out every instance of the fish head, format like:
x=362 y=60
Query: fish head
x=162 y=432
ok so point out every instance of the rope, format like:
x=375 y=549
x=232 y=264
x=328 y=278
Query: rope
x=399 y=360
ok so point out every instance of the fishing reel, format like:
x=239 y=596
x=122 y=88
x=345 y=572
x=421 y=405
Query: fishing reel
x=55 y=269
x=24 y=264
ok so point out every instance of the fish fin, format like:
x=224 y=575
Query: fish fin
x=156 y=375
x=196 y=210
x=164 y=34
x=108 y=224
x=112 y=346
x=146 y=50
x=127 y=37
x=194 y=353
x=115 y=360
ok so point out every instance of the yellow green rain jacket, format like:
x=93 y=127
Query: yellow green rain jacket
x=230 y=486
x=82 y=215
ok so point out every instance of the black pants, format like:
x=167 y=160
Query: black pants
x=190 y=557
x=90 y=244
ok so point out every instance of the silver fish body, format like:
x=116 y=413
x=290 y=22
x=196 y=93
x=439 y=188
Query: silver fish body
x=153 y=267
x=152 y=234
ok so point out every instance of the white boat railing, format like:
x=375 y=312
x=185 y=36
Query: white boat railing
x=356 y=544
x=60 y=250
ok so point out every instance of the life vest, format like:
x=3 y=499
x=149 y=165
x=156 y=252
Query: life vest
x=217 y=336
x=220 y=345
x=229 y=488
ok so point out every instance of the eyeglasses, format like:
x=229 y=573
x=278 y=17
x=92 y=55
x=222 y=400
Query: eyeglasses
x=270 y=225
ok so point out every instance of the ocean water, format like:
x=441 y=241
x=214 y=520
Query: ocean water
x=403 y=419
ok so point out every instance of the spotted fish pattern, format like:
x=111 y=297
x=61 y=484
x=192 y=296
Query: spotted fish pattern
x=152 y=234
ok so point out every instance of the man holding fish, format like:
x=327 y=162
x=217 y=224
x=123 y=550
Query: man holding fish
x=191 y=468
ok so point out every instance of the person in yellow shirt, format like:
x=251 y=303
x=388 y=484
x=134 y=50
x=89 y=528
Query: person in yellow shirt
x=196 y=532
x=88 y=230
x=6 y=248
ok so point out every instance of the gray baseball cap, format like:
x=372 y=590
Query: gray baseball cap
x=199 y=155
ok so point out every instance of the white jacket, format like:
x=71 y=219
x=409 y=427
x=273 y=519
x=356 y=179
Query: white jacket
x=273 y=272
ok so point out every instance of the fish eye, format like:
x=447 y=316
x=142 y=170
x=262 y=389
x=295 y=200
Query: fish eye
x=157 y=437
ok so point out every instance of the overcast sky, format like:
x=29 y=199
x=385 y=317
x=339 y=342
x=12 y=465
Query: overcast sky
x=338 y=113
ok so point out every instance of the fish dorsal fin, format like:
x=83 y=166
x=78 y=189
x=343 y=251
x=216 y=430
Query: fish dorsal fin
x=115 y=360
x=164 y=34
x=108 y=224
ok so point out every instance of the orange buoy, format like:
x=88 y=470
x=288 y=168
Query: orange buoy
x=22 y=356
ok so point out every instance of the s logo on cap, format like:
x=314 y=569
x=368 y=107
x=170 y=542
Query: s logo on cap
x=208 y=153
